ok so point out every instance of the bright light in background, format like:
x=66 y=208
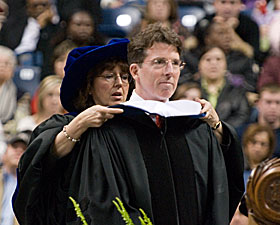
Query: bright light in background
x=123 y=20
x=189 y=20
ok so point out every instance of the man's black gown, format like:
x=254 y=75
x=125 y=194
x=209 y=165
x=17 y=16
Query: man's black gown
x=177 y=175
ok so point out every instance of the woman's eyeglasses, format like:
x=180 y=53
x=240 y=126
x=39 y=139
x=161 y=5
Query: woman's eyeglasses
x=112 y=78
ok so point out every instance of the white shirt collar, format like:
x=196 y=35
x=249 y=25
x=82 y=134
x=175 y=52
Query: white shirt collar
x=135 y=97
x=169 y=108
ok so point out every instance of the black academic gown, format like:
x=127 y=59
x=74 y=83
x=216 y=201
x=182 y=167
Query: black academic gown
x=177 y=175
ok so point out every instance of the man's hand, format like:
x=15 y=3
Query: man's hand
x=44 y=18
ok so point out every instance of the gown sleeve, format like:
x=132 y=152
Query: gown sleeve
x=33 y=173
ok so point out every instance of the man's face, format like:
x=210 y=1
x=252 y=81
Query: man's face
x=269 y=106
x=227 y=8
x=220 y=35
x=13 y=153
x=154 y=78
x=36 y=7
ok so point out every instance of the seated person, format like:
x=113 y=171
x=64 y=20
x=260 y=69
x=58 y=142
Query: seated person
x=16 y=146
x=258 y=145
x=228 y=99
x=229 y=13
x=270 y=71
x=187 y=91
x=245 y=69
x=8 y=90
x=48 y=103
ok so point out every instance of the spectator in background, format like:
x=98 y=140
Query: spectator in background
x=30 y=39
x=268 y=108
x=112 y=3
x=8 y=90
x=228 y=12
x=38 y=25
x=271 y=71
x=258 y=145
x=165 y=12
x=65 y=8
x=245 y=69
x=59 y=58
x=187 y=91
x=48 y=103
x=14 y=23
x=3 y=144
x=4 y=11
x=8 y=178
x=60 y=54
x=79 y=31
x=228 y=99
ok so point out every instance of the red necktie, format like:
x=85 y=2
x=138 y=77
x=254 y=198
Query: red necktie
x=159 y=121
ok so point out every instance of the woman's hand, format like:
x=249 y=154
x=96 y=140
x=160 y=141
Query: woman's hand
x=94 y=116
x=211 y=118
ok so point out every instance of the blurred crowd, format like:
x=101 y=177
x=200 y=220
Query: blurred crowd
x=231 y=57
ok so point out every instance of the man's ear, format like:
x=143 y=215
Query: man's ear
x=134 y=70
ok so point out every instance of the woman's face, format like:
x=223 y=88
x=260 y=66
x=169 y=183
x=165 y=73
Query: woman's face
x=59 y=65
x=191 y=94
x=159 y=10
x=108 y=91
x=51 y=101
x=257 y=149
x=81 y=27
x=213 y=65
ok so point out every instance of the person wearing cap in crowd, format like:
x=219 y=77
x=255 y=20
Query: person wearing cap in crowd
x=15 y=148
x=95 y=164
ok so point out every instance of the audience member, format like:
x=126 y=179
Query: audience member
x=16 y=145
x=228 y=99
x=258 y=144
x=38 y=28
x=112 y=4
x=271 y=71
x=31 y=40
x=16 y=19
x=3 y=144
x=245 y=69
x=165 y=12
x=229 y=13
x=48 y=103
x=59 y=57
x=80 y=30
x=8 y=90
x=4 y=11
x=187 y=91
x=66 y=7
x=268 y=108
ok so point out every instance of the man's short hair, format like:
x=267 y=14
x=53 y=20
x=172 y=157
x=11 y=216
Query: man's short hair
x=271 y=87
x=147 y=37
